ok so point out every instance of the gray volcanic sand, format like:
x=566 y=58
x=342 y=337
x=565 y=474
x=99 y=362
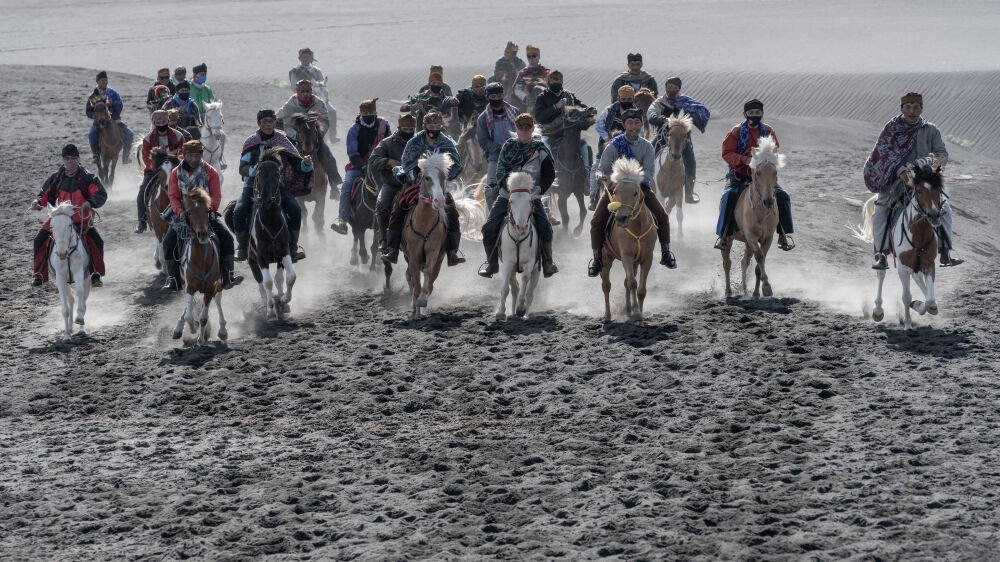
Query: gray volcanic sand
x=784 y=428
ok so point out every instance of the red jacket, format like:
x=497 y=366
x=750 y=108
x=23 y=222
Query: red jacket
x=87 y=188
x=735 y=159
x=214 y=188
x=174 y=140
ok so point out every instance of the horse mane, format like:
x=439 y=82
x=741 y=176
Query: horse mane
x=160 y=155
x=101 y=107
x=644 y=98
x=928 y=175
x=200 y=195
x=683 y=119
x=272 y=155
x=627 y=168
x=63 y=208
x=520 y=180
x=766 y=152
x=213 y=105
x=440 y=161
x=300 y=118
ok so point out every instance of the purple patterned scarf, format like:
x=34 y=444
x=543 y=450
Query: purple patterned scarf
x=891 y=148
x=297 y=182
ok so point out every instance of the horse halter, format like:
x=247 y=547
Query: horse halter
x=274 y=197
x=635 y=209
x=510 y=216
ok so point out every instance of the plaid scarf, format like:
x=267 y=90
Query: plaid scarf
x=514 y=154
x=891 y=148
x=509 y=112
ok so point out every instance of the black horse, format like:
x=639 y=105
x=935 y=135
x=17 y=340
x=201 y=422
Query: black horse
x=573 y=160
x=364 y=194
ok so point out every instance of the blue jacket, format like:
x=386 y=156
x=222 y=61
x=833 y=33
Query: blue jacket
x=113 y=101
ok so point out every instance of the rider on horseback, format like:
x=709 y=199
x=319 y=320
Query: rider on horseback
x=173 y=119
x=155 y=97
x=202 y=92
x=432 y=97
x=533 y=72
x=180 y=75
x=306 y=70
x=609 y=125
x=629 y=145
x=736 y=152
x=549 y=107
x=190 y=115
x=470 y=102
x=523 y=154
x=635 y=76
x=368 y=131
x=193 y=173
x=255 y=145
x=305 y=102
x=75 y=184
x=431 y=139
x=160 y=136
x=671 y=105
x=507 y=66
x=903 y=140
x=445 y=89
x=386 y=156
x=108 y=96
x=493 y=129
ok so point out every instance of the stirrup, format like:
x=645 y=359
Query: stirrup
x=720 y=243
x=788 y=244
x=952 y=262
x=455 y=257
x=880 y=261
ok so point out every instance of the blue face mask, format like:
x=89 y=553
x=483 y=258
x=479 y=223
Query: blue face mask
x=201 y=79
x=183 y=96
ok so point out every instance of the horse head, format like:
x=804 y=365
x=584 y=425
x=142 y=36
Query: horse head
x=163 y=162
x=626 y=192
x=198 y=204
x=267 y=182
x=434 y=168
x=579 y=116
x=213 y=118
x=523 y=193
x=63 y=232
x=101 y=113
x=765 y=162
x=306 y=131
x=677 y=132
x=928 y=189
x=644 y=98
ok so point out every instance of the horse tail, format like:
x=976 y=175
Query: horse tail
x=472 y=216
x=865 y=230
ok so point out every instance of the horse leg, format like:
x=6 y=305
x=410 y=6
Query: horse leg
x=641 y=292
x=290 y=278
x=583 y=210
x=430 y=276
x=920 y=306
x=563 y=203
x=530 y=283
x=877 y=312
x=680 y=219
x=629 y=284
x=267 y=287
x=82 y=292
x=223 y=333
x=203 y=325
x=516 y=294
x=926 y=282
x=302 y=207
x=67 y=303
x=413 y=270
x=506 y=282
x=904 y=278
x=354 y=245
x=606 y=285
x=727 y=263
x=319 y=206
x=744 y=264
x=362 y=248
x=113 y=165
x=189 y=312
x=388 y=279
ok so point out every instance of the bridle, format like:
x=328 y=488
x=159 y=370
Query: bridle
x=528 y=229
x=754 y=188
x=272 y=200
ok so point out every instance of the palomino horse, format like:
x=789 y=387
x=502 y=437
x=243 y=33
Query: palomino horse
x=643 y=99
x=269 y=238
x=111 y=144
x=572 y=159
x=200 y=268
x=364 y=195
x=307 y=140
x=756 y=216
x=632 y=238
x=670 y=175
x=913 y=239
x=425 y=228
x=213 y=137
x=519 y=246
x=69 y=261
x=157 y=200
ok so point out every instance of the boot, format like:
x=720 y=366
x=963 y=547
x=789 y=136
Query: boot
x=382 y=244
x=391 y=253
x=593 y=204
x=95 y=280
x=339 y=226
x=720 y=243
x=948 y=261
x=668 y=259
x=454 y=256
x=140 y=226
x=293 y=246
x=596 y=266
x=96 y=151
x=689 y=195
x=548 y=268
x=229 y=279
x=879 y=261
x=492 y=264
x=242 y=239
x=173 y=276
x=785 y=242
x=38 y=281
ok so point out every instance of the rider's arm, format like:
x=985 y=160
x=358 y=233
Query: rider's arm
x=608 y=158
x=938 y=147
x=545 y=112
x=89 y=109
x=353 y=154
x=546 y=174
x=729 y=153
x=655 y=114
x=43 y=196
x=601 y=130
x=147 y=148
x=116 y=104
x=214 y=187
x=247 y=169
x=96 y=194
x=456 y=168
x=175 y=194
x=618 y=82
x=483 y=135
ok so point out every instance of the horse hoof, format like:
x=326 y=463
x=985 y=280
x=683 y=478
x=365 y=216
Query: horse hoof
x=285 y=307
x=223 y=335
x=767 y=291
x=67 y=339
x=932 y=309
x=577 y=231
x=422 y=302
x=521 y=313
x=79 y=321
x=354 y=260
x=364 y=259
x=157 y=264
x=878 y=315
x=176 y=335
x=500 y=316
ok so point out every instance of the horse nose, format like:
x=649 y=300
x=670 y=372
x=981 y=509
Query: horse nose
x=62 y=255
x=438 y=202
x=768 y=203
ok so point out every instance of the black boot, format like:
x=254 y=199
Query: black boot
x=173 y=276
x=454 y=256
x=596 y=265
x=140 y=225
x=689 y=195
x=668 y=259
x=492 y=264
x=242 y=239
x=391 y=253
x=229 y=278
x=548 y=268
x=96 y=151
x=293 y=246
x=382 y=244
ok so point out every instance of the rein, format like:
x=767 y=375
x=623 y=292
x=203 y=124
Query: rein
x=186 y=260
x=259 y=201
x=510 y=233
x=635 y=211
x=437 y=221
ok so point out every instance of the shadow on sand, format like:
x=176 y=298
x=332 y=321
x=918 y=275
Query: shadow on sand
x=777 y=306
x=928 y=341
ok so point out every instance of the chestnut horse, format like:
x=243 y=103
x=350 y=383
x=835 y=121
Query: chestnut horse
x=632 y=238
x=913 y=239
x=425 y=228
x=643 y=99
x=756 y=216
x=670 y=175
x=157 y=200
x=200 y=267
x=111 y=144
x=307 y=140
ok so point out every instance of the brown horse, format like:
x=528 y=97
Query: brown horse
x=670 y=176
x=643 y=99
x=632 y=238
x=111 y=144
x=756 y=216
x=425 y=229
x=307 y=140
x=474 y=163
x=200 y=267
x=157 y=199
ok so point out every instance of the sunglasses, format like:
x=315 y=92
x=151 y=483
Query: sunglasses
x=166 y=77
x=532 y=56
x=525 y=127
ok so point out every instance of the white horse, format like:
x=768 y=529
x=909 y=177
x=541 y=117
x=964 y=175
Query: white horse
x=69 y=261
x=213 y=137
x=519 y=245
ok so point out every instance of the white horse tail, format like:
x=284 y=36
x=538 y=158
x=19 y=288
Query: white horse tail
x=471 y=216
x=864 y=231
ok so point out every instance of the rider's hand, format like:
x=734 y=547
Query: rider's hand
x=85 y=208
x=308 y=160
x=36 y=206
x=454 y=101
x=561 y=104
x=905 y=176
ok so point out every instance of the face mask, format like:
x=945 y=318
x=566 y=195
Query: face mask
x=556 y=88
x=71 y=165
x=162 y=128
x=306 y=99
x=406 y=136
x=436 y=89
x=200 y=79
x=433 y=134
x=368 y=119
x=754 y=121
x=625 y=105
x=496 y=104
x=183 y=96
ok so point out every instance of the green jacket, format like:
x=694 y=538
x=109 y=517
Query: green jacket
x=201 y=96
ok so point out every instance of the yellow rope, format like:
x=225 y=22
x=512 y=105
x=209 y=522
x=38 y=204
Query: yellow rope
x=639 y=207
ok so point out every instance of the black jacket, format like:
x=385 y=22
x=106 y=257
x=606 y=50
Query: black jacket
x=545 y=105
x=391 y=148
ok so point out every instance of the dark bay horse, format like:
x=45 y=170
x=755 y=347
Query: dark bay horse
x=157 y=199
x=307 y=139
x=572 y=166
x=364 y=194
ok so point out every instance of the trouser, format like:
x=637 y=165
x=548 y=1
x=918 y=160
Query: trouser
x=345 y=192
x=498 y=213
x=194 y=131
x=599 y=222
x=398 y=215
x=325 y=157
x=244 y=206
x=690 y=165
x=726 y=226
x=383 y=206
x=94 y=136
x=140 y=200
x=222 y=236
x=41 y=266
x=883 y=236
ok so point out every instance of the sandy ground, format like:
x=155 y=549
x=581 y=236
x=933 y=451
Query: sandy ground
x=788 y=428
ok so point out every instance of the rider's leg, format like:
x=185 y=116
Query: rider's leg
x=128 y=136
x=241 y=221
x=140 y=201
x=293 y=216
x=344 y=213
x=94 y=137
x=195 y=132
x=383 y=205
x=545 y=237
x=41 y=266
x=394 y=234
x=492 y=190
x=454 y=236
x=595 y=188
x=784 y=218
x=491 y=234
x=95 y=238
x=727 y=205
x=329 y=163
x=662 y=227
x=690 y=169
x=226 y=252
x=945 y=243
x=170 y=257
x=880 y=230
x=597 y=225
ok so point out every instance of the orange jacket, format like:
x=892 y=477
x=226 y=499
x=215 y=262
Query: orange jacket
x=214 y=189
x=735 y=159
